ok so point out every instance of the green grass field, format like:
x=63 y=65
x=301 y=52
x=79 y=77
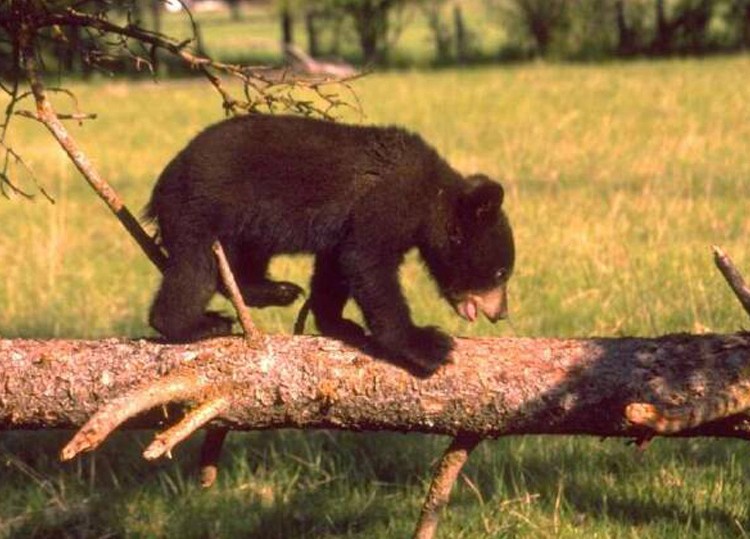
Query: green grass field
x=619 y=177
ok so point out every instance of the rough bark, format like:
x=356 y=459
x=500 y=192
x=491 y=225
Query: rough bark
x=492 y=387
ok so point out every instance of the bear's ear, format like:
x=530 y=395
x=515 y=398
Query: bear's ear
x=482 y=200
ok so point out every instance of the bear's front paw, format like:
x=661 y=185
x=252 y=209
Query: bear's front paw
x=422 y=349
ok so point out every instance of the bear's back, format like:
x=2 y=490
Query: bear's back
x=300 y=161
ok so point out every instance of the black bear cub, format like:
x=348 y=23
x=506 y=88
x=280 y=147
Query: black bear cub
x=358 y=198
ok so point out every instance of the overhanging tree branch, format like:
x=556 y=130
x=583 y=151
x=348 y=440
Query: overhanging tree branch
x=22 y=24
x=46 y=114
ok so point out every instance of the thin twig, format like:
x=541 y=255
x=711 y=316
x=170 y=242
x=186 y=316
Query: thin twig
x=5 y=180
x=230 y=103
x=78 y=116
x=445 y=476
x=733 y=276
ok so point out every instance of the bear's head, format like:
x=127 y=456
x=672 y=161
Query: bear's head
x=476 y=252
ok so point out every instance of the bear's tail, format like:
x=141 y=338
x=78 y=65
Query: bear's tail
x=152 y=210
x=148 y=214
x=149 y=218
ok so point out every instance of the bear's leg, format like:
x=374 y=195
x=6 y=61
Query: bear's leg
x=375 y=287
x=250 y=265
x=189 y=282
x=328 y=294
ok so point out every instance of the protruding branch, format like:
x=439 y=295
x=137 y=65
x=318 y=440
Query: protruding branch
x=253 y=336
x=445 y=477
x=194 y=420
x=174 y=388
x=733 y=277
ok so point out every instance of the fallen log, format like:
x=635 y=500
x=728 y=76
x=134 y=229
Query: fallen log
x=492 y=387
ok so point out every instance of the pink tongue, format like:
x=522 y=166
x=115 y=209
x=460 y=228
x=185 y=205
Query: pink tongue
x=471 y=311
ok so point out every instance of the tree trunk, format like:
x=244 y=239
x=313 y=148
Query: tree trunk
x=492 y=387
x=440 y=34
x=368 y=32
x=625 y=34
x=694 y=25
x=234 y=10
x=313 y=47
x=663 y=39
x=156 y=6
x=371 y=24
x=462 y=41
x=287 y=27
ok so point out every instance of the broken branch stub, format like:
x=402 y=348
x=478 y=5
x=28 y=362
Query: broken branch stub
x=733 y=277
x=727 y=401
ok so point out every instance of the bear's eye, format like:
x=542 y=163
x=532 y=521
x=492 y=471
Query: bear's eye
x=500 y=274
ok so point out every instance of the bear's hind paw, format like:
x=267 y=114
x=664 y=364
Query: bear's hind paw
x=271 y=293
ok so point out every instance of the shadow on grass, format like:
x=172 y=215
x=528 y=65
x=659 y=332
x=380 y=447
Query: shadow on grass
x=619 y=486
x=271 y=484
x=309 y=484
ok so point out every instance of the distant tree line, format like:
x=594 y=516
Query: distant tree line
x=557 y=29
x=572 y=29
x=367 y=31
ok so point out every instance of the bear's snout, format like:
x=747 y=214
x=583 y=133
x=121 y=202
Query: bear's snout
x=493 y=303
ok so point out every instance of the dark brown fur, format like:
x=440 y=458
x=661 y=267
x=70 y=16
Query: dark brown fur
x=357 y=197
